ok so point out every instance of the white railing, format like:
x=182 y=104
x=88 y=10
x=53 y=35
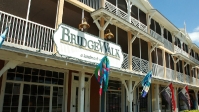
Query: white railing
x=158 y=70
x=125 y=61
x=168 y=44
x=95 y=4
x=180 y=77
x=138 y=24
x=194 y=60
x=156 y=35
x=187 y=77
x=181 y=51
x=170 y=74
x=27 y=33
x=194 y=81
x=140 y=65
x=120 y=13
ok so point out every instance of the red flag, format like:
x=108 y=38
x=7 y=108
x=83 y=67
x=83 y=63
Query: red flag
x=172 y=98
x=169 y=96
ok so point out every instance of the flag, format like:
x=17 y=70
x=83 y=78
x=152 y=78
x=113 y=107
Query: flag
x=168 y=95
x=184 y=95
x=102 y=73
x=146 y=82
x=3 y=36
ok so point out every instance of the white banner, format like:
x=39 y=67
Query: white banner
x=74 y=43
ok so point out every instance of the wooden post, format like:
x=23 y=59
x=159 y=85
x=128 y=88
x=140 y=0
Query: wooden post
x=184 y=75
x=164 y=62
x=59 y=15
x=149 y=55
x=102 y=31
x=129 y=51
x=175 y=70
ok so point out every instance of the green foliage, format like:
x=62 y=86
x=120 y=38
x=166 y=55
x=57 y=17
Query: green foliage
x=191 y=111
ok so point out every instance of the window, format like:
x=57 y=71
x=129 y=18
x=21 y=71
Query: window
x=33 y=90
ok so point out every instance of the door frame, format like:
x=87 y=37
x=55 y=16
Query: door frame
x=87 y=91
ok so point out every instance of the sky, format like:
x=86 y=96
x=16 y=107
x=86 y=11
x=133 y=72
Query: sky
x=180 y=11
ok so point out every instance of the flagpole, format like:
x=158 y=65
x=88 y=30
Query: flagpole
x=182 y=89
x=164 y=89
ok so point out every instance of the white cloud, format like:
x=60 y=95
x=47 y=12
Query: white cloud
x=196 y=29
x=195 y=35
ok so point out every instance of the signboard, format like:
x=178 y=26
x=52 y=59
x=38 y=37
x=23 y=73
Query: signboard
x=74 y=43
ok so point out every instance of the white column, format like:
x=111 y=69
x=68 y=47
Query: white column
x=176 y=98
x=196 y=95
x=130 y=95
x=129 y=4
x=157 y=101
x=81 y=92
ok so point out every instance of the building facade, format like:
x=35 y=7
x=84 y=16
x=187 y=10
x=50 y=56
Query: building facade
x=42 y=71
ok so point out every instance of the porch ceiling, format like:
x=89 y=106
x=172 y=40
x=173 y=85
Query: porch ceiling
x=123 y=24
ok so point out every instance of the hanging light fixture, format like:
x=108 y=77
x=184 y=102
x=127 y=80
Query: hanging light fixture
x=84 y=24
x=108 y=35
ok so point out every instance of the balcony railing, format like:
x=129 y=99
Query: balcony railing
x=158 y=70
x=194 y=60
x=120 y=13
x=170 y=74
x=125 y=61
x=187 y=77
x=27 y=34
x=95 y=4
x=156 y=35
x=181 y=51
x=168 y=44
x=180 y=77
x=140 y=65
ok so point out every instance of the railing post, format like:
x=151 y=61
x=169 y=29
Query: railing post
x=27 y=17
x=129 y=51
x=129 y=4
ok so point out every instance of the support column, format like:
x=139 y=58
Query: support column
x=157 y=101
x=196 y=96
x=162 y=32
x=196 y=71
x=175 y=70
x=148 y=23
x=60 y=8
x=81 y=92
x=103 y=3
x=164 y=62
x=102 y=25
x=149 y=55
x=129 y=4
x=183 y=69
x=191 y=74
x=176 y=98
x=129 y=51
x=130 y=96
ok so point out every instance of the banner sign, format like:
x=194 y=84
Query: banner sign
x=74 y=43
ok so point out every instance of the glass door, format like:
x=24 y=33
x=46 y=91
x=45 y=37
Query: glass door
x=75 y=97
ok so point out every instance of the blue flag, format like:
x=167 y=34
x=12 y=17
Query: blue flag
x=146 y=82
x=3 y=36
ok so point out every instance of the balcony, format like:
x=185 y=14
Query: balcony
x=27 y=35
x=120 y=13
x=194 y=60
x=156 y=35
x=181 y=51
x=168 y=44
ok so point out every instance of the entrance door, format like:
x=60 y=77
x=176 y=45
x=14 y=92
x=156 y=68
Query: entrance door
x=74 y=94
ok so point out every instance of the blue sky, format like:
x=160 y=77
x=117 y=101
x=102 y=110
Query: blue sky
x=180 y=11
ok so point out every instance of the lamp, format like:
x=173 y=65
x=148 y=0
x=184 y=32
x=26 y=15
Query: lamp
x=84 y=25
x=108 y=35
